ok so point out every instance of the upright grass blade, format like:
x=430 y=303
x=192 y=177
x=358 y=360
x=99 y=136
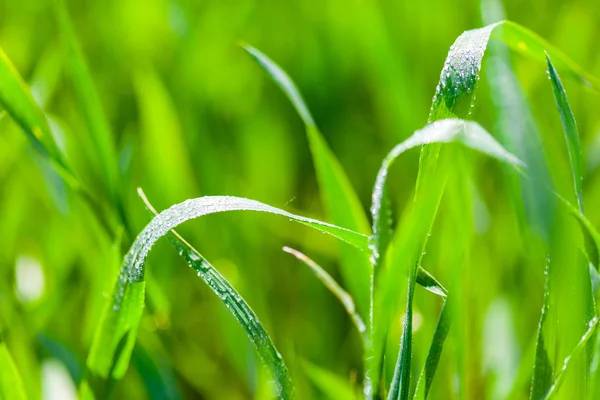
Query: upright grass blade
x=435 y=351
x=17 y=101
x=339 y=199
x=330 y=283
x=467 y=133
x=570 y=130
x=116 y=332
x=11 y=386
x=89 y=101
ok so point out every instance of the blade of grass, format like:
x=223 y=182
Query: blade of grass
x=574 y=147
x=435 y=351
x=116 y=332
x=11 y=386
x=237 y=306
x=570 y=129
x=330 y=283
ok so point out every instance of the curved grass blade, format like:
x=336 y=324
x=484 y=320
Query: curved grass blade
x=571 y=133
x=339 y=198
x=469 y=134
x=11 y=385
x=455 y=92
x=435 y=351
x=17 y=101
x=88 y=99
x=116 y=332
x=330 y=283
x=237 y=305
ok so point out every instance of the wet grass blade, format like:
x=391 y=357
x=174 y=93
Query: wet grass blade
x=11 y=385
x=330 y=283
x=89 y=102
x=570 y=129
x=339 y=198
x=237 y=306
x=116 y=332
x=455 y=92
x=435 y=351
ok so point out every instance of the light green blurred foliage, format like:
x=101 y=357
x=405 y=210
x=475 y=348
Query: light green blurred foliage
x=192 y=115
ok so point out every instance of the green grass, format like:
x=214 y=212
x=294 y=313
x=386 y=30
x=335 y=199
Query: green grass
x=492 y=219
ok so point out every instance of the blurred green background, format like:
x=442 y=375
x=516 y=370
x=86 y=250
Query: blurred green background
x=193 y=115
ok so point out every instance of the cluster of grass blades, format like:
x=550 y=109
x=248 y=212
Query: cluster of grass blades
x=378 y=264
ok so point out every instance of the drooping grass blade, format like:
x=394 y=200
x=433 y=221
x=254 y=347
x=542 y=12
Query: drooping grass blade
x=11 y=386
x=116 y=332
x=330 y=283
x=339 y=198
x=237 y=306
x=89 y=101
